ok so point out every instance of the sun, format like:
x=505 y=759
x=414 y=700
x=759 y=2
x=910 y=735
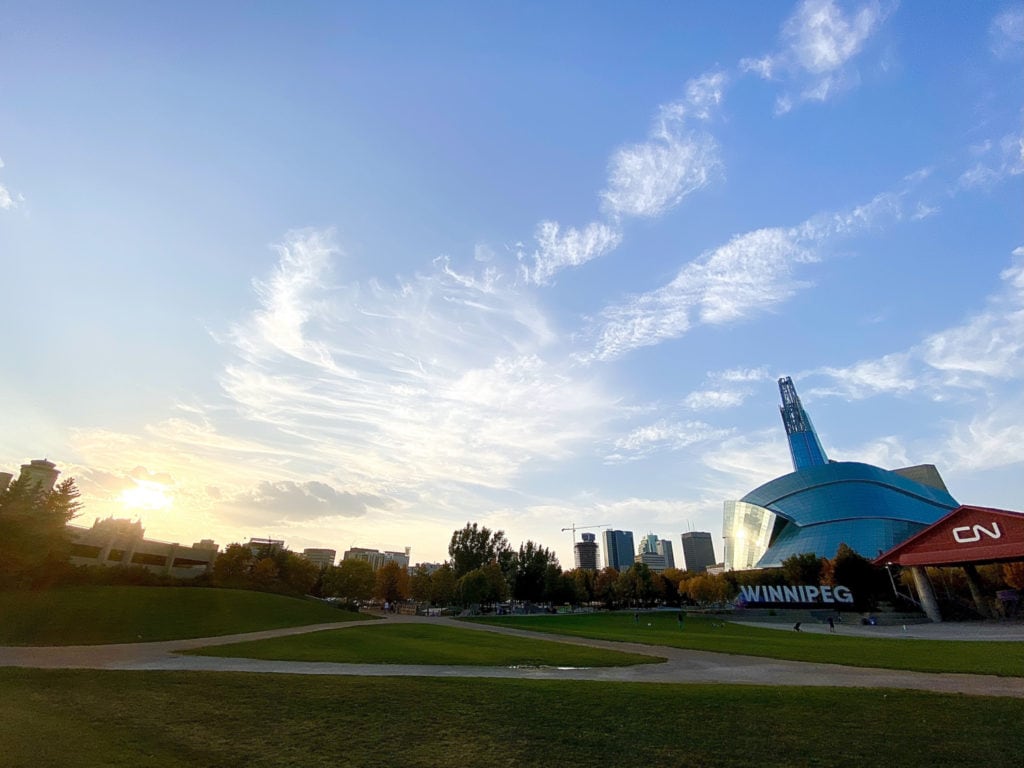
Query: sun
x=146 y=495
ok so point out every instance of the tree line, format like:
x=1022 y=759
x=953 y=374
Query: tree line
x=483 y=568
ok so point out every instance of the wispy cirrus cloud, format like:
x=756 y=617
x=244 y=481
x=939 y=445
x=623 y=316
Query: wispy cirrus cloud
x=679 y=157
x=818 y=43
x=645 y=180
x=725 y=389
x=7 y=202
x=996 y=161
x=1007 y=33
x=663 y=435
x=748 y=275
x=981 y=359
x=557 y=249
x=439 y=377
x=986 y=347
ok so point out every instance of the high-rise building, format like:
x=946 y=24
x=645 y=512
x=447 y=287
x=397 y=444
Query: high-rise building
x=322 y=558
x=698 y=551
x=652 y=560
x=618 y=549
x=586 y=552
x=376 y=558
x=40 y=473
x=265 y=547
x=664 y=548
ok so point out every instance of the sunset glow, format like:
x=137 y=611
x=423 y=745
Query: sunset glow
x=146 y=496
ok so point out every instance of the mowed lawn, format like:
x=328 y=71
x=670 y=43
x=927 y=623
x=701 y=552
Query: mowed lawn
x=94 y=615
x=707 y=633
x=171 y=719
x=425 y=644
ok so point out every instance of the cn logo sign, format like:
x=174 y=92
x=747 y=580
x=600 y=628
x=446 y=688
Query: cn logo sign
x=968 y=534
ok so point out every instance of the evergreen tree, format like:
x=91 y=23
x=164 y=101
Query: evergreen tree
x=34 y=541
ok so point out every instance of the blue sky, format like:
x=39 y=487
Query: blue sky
x=356 y=274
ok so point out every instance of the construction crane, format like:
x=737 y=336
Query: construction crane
x=573 y=527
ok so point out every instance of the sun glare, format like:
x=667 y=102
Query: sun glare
x=146 y=495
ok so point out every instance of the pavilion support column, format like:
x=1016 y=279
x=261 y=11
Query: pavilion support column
x=974 y=582
x=926 y=593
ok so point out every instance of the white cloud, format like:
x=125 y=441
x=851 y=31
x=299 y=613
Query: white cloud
x=557 y=250
x=649 y=178
x=1007 y=33
x=982 y=359
x=707 y=399
x=741 y=375
x=891 y=373
x=6 y=202
x=999 y=161
x=747 y=275
x=986 y=347
x=725 y=389
x=644 y=180
x=748 y=460
x=988 y=440
x=818 y=43
x=289 y=500
x=661 y=436
x=438 y=378
x=887 y=452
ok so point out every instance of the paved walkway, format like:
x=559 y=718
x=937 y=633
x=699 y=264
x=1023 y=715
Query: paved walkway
x=681 y=666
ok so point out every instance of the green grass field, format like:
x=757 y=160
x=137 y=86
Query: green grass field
x=712 y=634
x=165 y=719
x=425 y=644
x=94 y=615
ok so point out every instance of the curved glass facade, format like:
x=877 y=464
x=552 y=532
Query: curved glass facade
x=818 y=508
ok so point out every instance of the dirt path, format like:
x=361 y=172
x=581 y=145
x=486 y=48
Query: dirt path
x=681 y=666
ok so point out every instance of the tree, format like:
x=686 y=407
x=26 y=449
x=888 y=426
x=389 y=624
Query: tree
x=473 y=547
x=233 y=567
x=705 y=589
x=867 y=582
x=635 y=583
x=297 y=574
x=420 y=584
x=264 y=574
x=803 y=569
x=606 y=587
x=1013 y=574
x=583 y=580
x=34 y=541
x=530 y=566
x=442 y=585
x=350 y=579
x=392 y=583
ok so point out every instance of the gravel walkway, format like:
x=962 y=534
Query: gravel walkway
x=681 y=666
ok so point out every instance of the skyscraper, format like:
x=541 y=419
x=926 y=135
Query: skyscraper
x=586 y=552
x=698 y=551
x=664 y=548
x=40 y=474
x=618 y=549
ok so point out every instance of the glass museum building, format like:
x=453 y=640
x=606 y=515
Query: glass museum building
x=824 y=503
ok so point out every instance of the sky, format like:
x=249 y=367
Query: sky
x=356 y=274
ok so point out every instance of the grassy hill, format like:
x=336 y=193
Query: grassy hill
x=95 y=615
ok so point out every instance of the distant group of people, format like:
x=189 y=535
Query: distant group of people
x=831 y=621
